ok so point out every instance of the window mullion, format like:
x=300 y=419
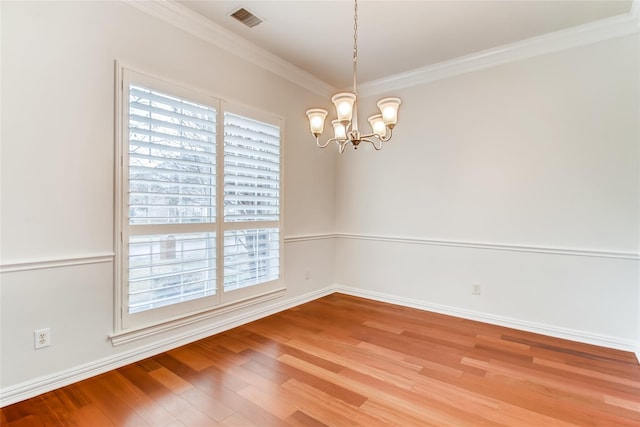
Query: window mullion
x=249 y=225
x=146 y=229
x=220 y=199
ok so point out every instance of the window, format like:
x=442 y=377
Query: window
x=199 y=202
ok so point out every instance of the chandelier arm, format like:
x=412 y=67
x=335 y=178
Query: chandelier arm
x=319 y=144
x=378 y=146
x=385 y=138
x=342 y=144
x=329 y=141
x=369 y=135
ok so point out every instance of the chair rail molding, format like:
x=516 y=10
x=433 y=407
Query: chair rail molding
x=493 y=246
x=55 y=262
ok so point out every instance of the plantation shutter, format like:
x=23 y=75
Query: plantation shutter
x=251 y=202
x=251 y=170
x=172 y=185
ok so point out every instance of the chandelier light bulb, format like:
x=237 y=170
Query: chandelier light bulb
x=377 y=125
x=344 y=106
x=339 y=131
x=389 y=109
x=316 y=120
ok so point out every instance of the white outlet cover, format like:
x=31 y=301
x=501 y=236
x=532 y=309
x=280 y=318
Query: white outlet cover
x=41 y=338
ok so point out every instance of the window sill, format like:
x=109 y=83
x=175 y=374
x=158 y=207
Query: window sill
x=136 y=334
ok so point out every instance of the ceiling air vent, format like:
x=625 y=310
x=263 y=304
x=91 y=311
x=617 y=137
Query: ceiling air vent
x=246 y=17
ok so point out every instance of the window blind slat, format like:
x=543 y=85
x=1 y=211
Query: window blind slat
x=252 y=201
x=176 y=156
x=162 y=276
x=253 y=182
x=255 y=144
x=168 y=100
x=149 y=186
x=249 y=166
x=204 y=120
x=167 y=128
x=252 y=217
x=233 y=171
x=231 y=189
x=162 y=140
x=150 y=172
x=200 y=192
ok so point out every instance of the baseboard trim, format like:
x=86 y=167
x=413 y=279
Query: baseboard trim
x=523 y=325
x=37 y=386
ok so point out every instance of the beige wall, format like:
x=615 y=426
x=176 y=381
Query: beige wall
x=522 y=177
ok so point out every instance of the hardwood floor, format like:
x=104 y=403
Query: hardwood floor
x=347 y=361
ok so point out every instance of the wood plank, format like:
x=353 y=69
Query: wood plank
x=116 y=408
x=170 y=380
x=301 y=419
x=323 y=408
x=269 y=401
x=207 y=404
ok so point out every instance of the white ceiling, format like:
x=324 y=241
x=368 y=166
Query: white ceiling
x=395 y=36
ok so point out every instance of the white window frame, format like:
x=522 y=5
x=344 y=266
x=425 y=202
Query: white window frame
x=158 y=319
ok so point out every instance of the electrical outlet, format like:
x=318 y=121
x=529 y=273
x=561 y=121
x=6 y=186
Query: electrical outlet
x=42 y=338
x=476 y=289
x=307 y=275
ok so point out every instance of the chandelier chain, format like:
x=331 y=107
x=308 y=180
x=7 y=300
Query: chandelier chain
x=355 y=46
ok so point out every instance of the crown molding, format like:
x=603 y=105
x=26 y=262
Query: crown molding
x=191 y=22
x=198 y=26
x=605 y=29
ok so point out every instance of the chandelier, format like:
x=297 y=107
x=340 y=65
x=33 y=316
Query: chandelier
x=345 y=127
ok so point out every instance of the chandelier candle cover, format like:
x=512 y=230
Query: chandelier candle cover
x=345 y=127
